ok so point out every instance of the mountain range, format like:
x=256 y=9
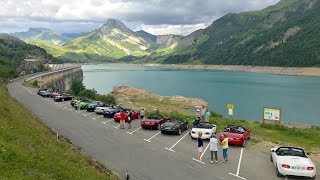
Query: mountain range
x=285 y=34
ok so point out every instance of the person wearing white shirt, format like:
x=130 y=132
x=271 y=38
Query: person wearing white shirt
x=214 y=148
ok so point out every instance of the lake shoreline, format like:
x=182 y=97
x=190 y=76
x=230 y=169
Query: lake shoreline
x=295 y=71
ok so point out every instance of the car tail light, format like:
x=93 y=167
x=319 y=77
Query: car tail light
x=206 y=133
x=193 y=132
x=286 y=166
x=310 y=168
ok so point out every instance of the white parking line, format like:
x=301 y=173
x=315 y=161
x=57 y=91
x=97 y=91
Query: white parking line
x=238 y=169
x=170 y=149
x=55 y=103
x=134 y=131
x=87 y=114
x=97 y=117
x=66 y=107
x=106 y=121
x=152 y=137
x=61 y=105
x=70 y=109
x=117 y=127
x=202 y=155
x=28 y=90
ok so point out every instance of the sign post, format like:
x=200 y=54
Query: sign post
x=230 y=110
x=271 y=114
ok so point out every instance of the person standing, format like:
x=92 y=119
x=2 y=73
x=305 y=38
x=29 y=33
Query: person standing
x=198 y=113
x=129 y=119
x=225 y=146
x=204 y=110
x=122 y=119
x=207 y=116
x=200 y=145
x=214 y=148
x=142 y=113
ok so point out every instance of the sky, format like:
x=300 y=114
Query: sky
x=154 y=16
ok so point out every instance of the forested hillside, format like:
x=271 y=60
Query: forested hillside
x=13 y=55
x=286 y=34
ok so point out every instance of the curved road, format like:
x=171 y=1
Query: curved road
x=143 y=153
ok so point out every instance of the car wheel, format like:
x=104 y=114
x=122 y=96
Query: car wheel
x=179 y=132
x=277 y=171
x=244 y=143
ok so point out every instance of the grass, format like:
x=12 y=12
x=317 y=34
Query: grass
x=30 y=84
x=30 y=151
x=305 y=138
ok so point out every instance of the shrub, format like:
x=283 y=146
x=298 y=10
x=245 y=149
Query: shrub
x=77 y=86
x=87 y=93
x=35 y=83
x=108 y=99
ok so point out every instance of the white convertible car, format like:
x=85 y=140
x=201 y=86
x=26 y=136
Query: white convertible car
x=292 y=161
x=206 y=129
x=100 y=110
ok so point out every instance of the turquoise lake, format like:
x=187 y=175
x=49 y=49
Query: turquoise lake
x=297 y=96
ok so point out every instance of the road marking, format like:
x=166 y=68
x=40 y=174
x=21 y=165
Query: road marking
x=134 y=131
x=152 y=137
x=198 y=161
x=202 y=155
x=61 y=105
x=238 y=169
x=170 y=149
x=97 y=117
x=117 y=127
x=87 y=114
x=70 y=109
x=106 y=121
x=66 y=107
x=28 y=90
x=55 y=103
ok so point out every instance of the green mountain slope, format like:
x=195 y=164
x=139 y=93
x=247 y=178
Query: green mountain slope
x=285 y=34
x=112 y=40
x=17 y=56
x=42 y=35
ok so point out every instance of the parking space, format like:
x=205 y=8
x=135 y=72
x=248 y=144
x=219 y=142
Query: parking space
x=243 y=164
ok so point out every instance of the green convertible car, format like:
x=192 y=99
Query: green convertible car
x=83 y=105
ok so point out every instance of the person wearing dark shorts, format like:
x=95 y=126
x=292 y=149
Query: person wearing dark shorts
x=200 y=145
x=129 y=119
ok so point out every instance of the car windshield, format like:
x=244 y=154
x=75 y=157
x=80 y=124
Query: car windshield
x=204 y=126
x=175 y=121
x=235 y=129
x=155 y=116
x=288 y=151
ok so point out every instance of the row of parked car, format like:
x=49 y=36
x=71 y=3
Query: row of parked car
x=287 y=160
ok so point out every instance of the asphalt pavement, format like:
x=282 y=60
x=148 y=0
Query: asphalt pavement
x=145 y=154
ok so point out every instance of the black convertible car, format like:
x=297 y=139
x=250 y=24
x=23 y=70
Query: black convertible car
x=110 y=112
x=94 y=104
x=63 y=98
x=174 y=126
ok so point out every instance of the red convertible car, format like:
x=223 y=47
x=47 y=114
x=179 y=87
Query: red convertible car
x=237 y=135
x=154 y=121
x=135 y=115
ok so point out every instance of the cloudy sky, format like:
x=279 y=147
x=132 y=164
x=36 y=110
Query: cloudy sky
x=154 y=16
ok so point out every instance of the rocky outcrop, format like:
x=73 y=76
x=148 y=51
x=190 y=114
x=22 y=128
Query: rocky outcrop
x=136 y=98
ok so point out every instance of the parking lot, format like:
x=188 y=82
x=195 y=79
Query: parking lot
x=125 y=149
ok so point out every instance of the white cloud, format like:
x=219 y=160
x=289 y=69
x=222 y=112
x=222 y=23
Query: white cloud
x=173 y=29
x=176 y=16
